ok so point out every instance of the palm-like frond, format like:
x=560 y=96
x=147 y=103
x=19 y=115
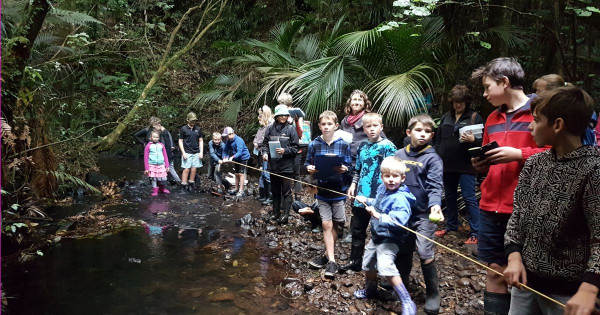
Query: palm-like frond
x=512 y=35
x=308 y=48
x=272 y=54
x=283 y=34
x=231 y=113
x=355 y=43
x=400 y=96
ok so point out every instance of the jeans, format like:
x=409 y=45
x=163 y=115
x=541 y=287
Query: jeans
x=524 y=301
x=264 y=176
x=467 y=187
x=214 y=172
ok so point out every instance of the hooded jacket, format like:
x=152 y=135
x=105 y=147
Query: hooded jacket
x=454 y=153
x=285 y=133
x=555 y=224
x=237 y=148
x=498 y=187
x=424 y=178
x=394 y=208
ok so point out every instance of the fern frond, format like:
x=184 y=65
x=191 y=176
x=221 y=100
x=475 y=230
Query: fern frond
x=66 y=178
x=72 y=17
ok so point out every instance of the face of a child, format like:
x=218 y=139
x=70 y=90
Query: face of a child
x=494 y=91
x=192 y=122
x=357 y=103
x=154 y=137
x=391 y=180
x=419 y=135
x=217 y=140
x=459 y=107
x=282 y=119
x=542 y=133
x=231 y=136
x=373 y=129
x=327 y=126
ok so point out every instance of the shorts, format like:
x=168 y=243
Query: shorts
x=332 y=210
x=425 y=248
x=380 y=257
x=239 y=169
x=193 y=161
x=490 y=245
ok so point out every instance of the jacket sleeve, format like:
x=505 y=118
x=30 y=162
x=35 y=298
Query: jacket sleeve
x=140 y=136
x=228 y=149
x=357 y=165
x=236 y=150
x=529 y=151
x=398 y=215
x=512 y=236
x=165 y=156
x=146 y=155
x=211 y=151
x=434 y=182
x=265 y=141
x=310 y=155
x=170 y=143
x=294 y=144
x=348 y=159
x=591 y=210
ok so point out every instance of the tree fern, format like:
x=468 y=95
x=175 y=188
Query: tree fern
x=71 y=17
x=72 y=181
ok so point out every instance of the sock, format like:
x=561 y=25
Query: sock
x=402 y=293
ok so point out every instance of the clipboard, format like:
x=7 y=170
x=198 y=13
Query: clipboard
x=325 y=165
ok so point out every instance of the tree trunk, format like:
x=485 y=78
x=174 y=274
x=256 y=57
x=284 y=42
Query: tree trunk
x=13 y=65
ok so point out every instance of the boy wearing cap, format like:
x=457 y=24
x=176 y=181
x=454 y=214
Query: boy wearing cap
x=236 y=151
x=191 y=146
x=282 y=163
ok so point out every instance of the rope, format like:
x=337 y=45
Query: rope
x=414 y=232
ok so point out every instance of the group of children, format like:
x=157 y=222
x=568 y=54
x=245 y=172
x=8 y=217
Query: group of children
x=547 y=236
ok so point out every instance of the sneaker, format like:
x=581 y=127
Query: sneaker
x=331 y=269
x=319 y=262
x=232 y=192
x=363 y=294
x=240 y=194
x=471 y=240
x=318 y=229
x=441 y=233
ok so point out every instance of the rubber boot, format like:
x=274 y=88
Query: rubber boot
x=287 y=204
x=496 y=303
x=355 y=263
x=268 y=195
x=262 y=195
x=154 y=191
x=162 y=189
x=432 y=288
x=276 y=213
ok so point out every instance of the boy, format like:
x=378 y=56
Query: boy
x=331 y=205
x=366 y=179
x=388 y=210
x=191 y=146
x=236 y=150
x=281 y=187
x=503 y=80
x=553 y=234
x=424 y=179
x=216 y=148
x=310 y=213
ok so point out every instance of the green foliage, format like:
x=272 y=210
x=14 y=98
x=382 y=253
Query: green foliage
x=68 y=182
x=70 y=17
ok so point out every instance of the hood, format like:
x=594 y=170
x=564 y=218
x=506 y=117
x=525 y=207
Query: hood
x=336 y=138
x=427 y=150
x=407 y=194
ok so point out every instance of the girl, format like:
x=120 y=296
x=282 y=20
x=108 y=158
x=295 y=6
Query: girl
x=143 y=137
x=265 y=118
x=156 y=163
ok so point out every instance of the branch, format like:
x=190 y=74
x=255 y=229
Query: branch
x=176 y=30
x=62 y=141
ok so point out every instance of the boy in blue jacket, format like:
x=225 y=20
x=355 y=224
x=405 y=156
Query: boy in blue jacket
x=424 y=179
x=236 y=150
x=331 y=205
x=388 y=210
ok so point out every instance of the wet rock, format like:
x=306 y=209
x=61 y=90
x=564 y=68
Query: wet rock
x=283 y=306
x=463 y=282
x=290 y=280
x=308 y=286
x=346 y=295
x=221 y=297
x=271 y=228
x=460 y=310
x=273 y=244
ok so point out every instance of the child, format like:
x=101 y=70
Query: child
x=191 y=145
x=265 y=118
x=236 y=150
x=503 y=80
x=365 y=182
x=287 y=99
x=390 y=208
x=310 y=213
x=143 y=137
x=281 y=187
x=156 y=163
x=216 y=147
x=331 y=205
x=553 y=234
x=424 y=179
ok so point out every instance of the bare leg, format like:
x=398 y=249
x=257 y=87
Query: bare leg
x=184 y=176
x=192 y=175
x=495 y=283
x=242 y=181
x=329 y=238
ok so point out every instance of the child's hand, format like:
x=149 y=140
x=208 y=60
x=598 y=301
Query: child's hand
x=515 y=271
x=437 y=210
x=265 y=157
x=280 y=150
x=146 y=172
x=311 y=169
x=341 y=169
x=371 y=210
x=583 y=301
x=481 y=166
x=361 y=199
x=184 y=155
x=220 y=161
x=167 y=169
x=200 y=155
x=503 y=155
x=352 y=190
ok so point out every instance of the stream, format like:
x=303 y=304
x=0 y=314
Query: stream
x=186 y=257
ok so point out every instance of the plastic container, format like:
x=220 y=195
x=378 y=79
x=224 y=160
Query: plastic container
x=477 y=130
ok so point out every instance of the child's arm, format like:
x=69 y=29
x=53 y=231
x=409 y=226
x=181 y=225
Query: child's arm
x=183 y=154
x=515 y=271
x=310 y=159
x=146 y=157
x=165 y=157
x=398 y=215
x=265 y=144
x=201 y=146
x=140 y=136
x=369 y=202
x=434 y=184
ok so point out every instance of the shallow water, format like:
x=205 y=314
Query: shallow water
x=187 y=257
